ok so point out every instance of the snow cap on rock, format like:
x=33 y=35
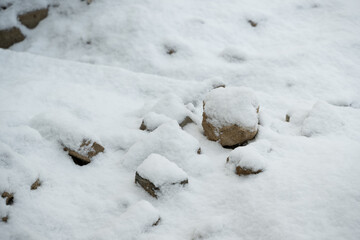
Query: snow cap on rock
x=161 y=171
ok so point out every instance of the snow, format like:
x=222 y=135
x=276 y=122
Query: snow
x=167 y=140
x=160 y=171
x=97 y=70
x=232 y=105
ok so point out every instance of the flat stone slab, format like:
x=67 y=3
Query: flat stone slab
x=87 y=150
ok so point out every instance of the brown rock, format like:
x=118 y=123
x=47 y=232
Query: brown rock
x=10 y=36
x=287 y=118
x=35 y=185
x=5 y=219
x=32 y=19
x=156 y=223
x=148 y=186
x=243 y=171
x=9 y=197
x=186 y=121
x=228 y=136
x=199 y=151
x=81 y=158
x=252 y=23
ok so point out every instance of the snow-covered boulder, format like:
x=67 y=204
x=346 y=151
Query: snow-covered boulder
x=10 y=36
x=246 y=160
x=168 y=140
x=230 y=115
x=156 y=172
x=168 y=107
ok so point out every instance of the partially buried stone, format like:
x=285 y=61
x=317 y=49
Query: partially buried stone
x=5 y=219
x=35 y=185
x=32 y=19
x=157 y=172
x=10 y=36
x=87 y=150
x=9 y=197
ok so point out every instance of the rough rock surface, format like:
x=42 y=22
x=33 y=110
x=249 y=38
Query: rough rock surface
x=10 y=36
x=231 y=117
x=243 y=171
x=87 y=150
x=33 y=18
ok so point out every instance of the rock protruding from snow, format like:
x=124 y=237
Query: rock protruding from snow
x=10 y=36
x=168 y=107
x=36 y=184
x=32 y=19
x=247 y=160
x=230 y=115
x=156 y=171
x=85 y=152
x=9 y=197
x=168 y=140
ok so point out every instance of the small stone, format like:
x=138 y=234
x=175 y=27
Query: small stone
x=252 y=23
x=84 y=154
x=287 y=118
x=157 y=222
x=5 y=219
x=243 y=171
x=199 y=151
x=170 y=51
x=9 y=197
x=186 y=121
x=10 y=36
x=32 y=19
x=36 y=184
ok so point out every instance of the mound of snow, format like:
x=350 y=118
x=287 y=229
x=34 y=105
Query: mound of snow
x=235 y=105
x=168 y=140
x=322 y=119
x=153 y=120
x=62 y=127
x=160 y=171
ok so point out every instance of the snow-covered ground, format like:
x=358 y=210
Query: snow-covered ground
x=94 y=71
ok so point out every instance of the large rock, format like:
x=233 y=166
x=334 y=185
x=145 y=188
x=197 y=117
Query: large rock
x=10 y=36
x=157 y=172
x=86 y=151
x=33 y=18
x=230 y=116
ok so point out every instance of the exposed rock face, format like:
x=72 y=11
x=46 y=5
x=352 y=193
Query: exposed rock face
x=243 y=171
x=33 y=18
x=87 y=150
x=35 y=185
x=10 y=36
x=230 y=116
x=229 y=136
x=9 y=198
x=147 y=185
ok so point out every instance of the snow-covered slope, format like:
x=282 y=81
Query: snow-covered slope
x=96 y=70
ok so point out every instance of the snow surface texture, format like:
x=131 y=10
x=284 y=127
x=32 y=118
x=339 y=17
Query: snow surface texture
x=302 y=58
x=161 y=171
x=234 y=105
